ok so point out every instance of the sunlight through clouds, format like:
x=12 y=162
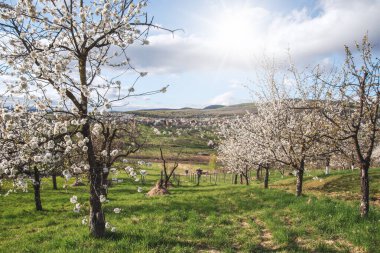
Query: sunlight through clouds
x=235 y=37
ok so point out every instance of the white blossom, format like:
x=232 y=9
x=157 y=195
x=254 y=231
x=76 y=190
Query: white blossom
x=74 y=199
x=102 y=198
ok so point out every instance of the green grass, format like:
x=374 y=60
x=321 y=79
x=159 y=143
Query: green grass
x=344 y=184
x=207 y=218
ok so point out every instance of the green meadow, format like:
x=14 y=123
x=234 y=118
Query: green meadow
x=211 y=217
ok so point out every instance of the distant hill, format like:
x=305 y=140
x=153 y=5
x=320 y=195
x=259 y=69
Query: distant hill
x=213 y=107
x=209 y=111
x=158 y=109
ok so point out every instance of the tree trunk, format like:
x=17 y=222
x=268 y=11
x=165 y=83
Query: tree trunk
x=97 y=219
x=247 y=180
x=300 y=171
x=54 y=177
x=266 y=178
x=162 y=179
x=235 y=179
x=105 y=183
x=364 y=183
x=36 y=187
x=105 y=180
x=241 y=178
x=327 y=171
x=258 y=173
x=198 y=178
x=246 y=175
x=166 y=179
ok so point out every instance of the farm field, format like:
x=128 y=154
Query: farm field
x=205 y=218
x=177 y=142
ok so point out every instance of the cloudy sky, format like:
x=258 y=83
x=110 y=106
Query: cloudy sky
x=221 y=43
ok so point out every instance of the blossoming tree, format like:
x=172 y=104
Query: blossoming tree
x=31 y=143
x=237 y=149
x=56 y=53
x=116 y=137
x=287 y=128
x=352 y=109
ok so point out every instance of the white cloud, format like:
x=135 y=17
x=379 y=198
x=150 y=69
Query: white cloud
x=311 y=34
x=168 y=54
x=235 y=84
x=226 y=98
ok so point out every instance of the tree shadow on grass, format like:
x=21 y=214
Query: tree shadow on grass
x=168 y=243
x=152 y=242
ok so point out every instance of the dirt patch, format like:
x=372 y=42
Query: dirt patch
x=157 y=190
x=288 y=221
x=353 y=249
x=266 y=236
x=320 y=183
x=338 y=245
x=245 y=224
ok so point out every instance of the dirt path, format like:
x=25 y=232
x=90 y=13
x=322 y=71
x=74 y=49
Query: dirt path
x=266 y=237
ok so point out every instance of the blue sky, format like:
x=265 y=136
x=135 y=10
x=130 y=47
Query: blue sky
x=223 y=41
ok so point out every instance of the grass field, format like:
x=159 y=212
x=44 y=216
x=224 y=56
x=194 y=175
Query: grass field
x=207 y=218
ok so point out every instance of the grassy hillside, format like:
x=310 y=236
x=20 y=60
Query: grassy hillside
x=191 y=144
x=226 y=111
x=207 y=218
x=193 y=139
x=343 y=185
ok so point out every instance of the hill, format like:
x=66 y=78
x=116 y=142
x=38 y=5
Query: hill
x=209 y=111
x=214 y=107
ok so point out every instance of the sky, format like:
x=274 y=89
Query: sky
x=220 y=44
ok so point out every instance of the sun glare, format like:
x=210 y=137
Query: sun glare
x=233 y=31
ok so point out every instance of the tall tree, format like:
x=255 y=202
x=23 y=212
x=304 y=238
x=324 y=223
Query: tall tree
x=59 y=49
x=289 y=117
x=352 y=109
